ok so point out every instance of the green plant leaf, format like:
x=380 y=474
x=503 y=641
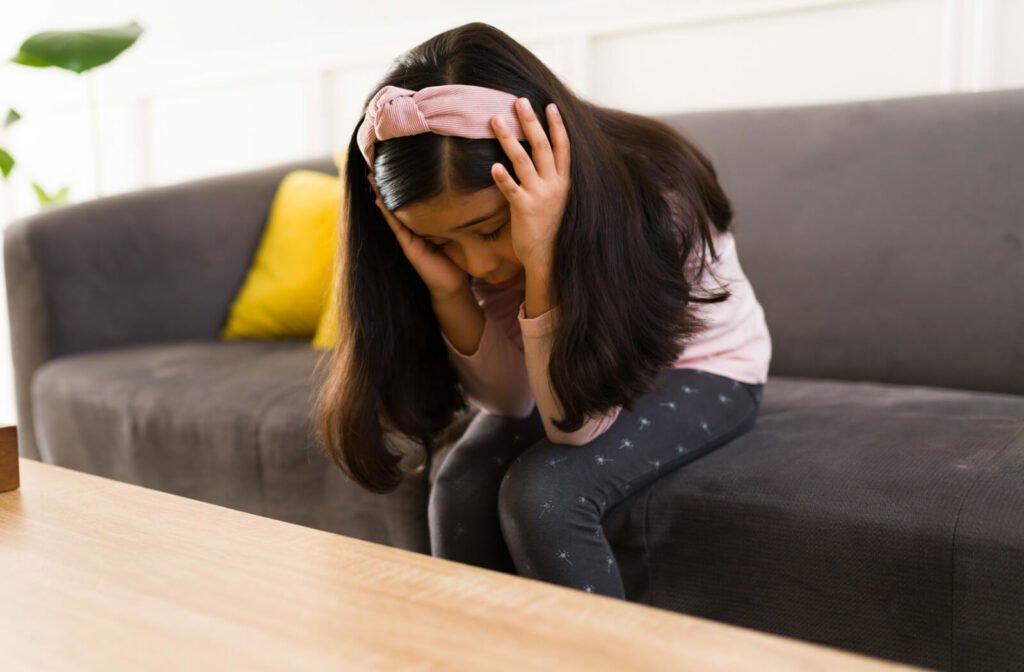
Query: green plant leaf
x=6 y=163
x=25 y=59
x=12 y=116
x=77 y=50
x=45 y=199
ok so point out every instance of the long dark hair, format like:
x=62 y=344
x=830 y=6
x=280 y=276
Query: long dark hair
x=641 y=202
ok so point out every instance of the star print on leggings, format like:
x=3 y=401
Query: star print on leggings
x=565 y=538
x=545 y=507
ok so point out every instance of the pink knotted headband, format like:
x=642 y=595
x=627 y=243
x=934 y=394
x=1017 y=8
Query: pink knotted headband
x=449 y=109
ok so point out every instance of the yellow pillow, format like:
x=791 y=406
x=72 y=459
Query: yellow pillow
x=326 y=336
x=285 y=292
x=327 y=330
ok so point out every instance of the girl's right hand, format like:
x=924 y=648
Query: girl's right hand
x=443 y=278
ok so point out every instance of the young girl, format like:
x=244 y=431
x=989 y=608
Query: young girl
x=567 y=268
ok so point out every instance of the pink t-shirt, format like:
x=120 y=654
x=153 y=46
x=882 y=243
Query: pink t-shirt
x=509 y=371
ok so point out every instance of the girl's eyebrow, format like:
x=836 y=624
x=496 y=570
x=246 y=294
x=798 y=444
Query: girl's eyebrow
x=468 y=224
x=476 y=221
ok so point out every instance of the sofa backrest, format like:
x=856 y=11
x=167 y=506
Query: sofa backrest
x=157 y=264
x=884 y=239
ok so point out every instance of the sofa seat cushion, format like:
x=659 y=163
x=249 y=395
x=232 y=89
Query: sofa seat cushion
x=877 y=518
x=226 y=422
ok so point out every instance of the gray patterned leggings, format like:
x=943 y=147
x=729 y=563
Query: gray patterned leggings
x=508 y=499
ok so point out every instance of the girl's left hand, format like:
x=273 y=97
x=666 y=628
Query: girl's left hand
x=537 y=203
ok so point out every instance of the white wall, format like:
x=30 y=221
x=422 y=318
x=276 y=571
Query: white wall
x=215 y=86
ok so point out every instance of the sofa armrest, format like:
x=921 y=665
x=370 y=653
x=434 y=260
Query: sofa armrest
x=158 y=264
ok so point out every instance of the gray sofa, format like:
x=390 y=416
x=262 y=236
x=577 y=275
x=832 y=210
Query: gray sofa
x=877 y=506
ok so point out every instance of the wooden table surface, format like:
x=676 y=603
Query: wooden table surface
x=98 y=574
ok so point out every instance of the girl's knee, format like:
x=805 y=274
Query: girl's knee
x=533 y=486
x=453 y=469
x=464 y=477
x=447 y=493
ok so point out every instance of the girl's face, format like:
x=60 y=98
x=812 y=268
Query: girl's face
x=472 y=229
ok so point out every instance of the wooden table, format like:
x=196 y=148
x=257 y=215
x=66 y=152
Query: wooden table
x=98 y=574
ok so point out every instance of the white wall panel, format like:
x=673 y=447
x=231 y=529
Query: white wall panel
x=349 y=88
x=125 y=147
x=1007 y=47
x=213 y=131
x=835 y=53
x=52 y=149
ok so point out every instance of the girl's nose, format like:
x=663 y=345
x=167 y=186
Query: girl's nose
x=481 y=264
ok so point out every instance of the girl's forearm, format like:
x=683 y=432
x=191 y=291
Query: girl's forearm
x=461 y=319
x=538 y=279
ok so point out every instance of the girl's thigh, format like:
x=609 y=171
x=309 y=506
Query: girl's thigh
x=690 y=413
x=462 y=508
x=486 y=448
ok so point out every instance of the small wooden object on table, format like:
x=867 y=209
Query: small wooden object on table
x=8 y=458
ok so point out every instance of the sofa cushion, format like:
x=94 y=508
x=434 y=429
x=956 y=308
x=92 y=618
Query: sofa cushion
x=224 y=422
x=870 y=517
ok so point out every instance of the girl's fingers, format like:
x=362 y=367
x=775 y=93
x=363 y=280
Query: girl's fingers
x=559 y=139
x=505 y=183
x=412 y=245
x=521 y=161
x=405 y=236
x=396 y=226
x=388 y=217
x=539 y=145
